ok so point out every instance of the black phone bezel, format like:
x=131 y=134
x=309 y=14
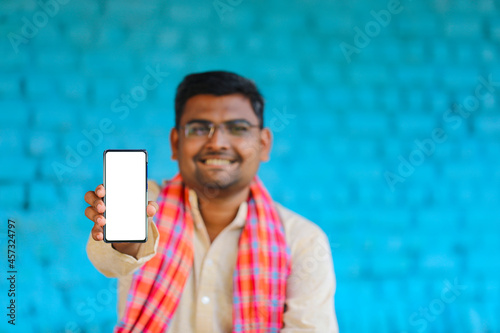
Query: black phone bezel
x=146 y=189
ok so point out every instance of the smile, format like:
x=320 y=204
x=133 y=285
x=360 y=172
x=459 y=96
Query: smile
x=217 y=162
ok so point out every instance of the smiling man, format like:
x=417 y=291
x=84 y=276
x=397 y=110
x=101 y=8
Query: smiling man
x=221 y=256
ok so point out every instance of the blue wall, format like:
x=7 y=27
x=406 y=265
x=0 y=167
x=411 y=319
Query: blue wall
x=386 y=135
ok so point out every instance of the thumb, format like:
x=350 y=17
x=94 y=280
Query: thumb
x=152 y=208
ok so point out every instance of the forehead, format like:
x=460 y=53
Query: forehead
x=218 y=108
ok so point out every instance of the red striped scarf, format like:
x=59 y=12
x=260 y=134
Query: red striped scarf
x=259 y=279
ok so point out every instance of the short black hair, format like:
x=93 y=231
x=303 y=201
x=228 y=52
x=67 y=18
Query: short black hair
x=218 y=83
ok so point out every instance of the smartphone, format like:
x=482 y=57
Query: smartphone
x=125 y=180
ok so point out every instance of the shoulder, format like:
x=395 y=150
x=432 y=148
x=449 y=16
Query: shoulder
x=300 y=232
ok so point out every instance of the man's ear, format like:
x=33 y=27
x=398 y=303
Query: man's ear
x=266 y=141
x=174 y=142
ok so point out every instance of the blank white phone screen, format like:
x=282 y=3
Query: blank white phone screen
x=126 y=195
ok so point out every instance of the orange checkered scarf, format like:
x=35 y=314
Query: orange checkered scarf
x=259 y=279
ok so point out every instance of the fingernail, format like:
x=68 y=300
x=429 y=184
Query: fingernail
x=100 y=206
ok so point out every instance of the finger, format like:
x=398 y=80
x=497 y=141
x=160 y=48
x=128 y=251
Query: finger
x=97 y=233
x=90 y=197
x=99 y=206
x=152 y=208
x=100 y=191
x=94 y=216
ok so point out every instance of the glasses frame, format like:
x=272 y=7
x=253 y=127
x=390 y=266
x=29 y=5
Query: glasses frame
x=212 y=126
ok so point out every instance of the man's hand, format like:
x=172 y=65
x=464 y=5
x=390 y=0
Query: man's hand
x=95 y=213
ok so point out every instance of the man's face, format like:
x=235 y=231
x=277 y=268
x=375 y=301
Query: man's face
x=223 y=163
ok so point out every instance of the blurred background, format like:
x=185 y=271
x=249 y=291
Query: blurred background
x=386 y=134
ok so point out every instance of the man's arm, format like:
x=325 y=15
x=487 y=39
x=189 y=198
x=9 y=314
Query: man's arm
x=113 y=263
x=120 y=259
x=311 y=285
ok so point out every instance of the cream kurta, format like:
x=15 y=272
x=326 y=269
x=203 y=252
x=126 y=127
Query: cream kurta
x=206 y=302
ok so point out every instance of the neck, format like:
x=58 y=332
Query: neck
x=220 y=211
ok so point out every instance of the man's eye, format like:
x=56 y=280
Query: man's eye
x=238 y=129
x=198 y=130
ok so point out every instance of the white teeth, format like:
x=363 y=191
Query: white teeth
x=214 y=161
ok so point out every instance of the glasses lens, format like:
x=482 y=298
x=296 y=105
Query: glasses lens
x=197 y=129
x=238 y=128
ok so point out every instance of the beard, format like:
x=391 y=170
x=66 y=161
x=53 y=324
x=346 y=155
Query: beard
x=217 y=180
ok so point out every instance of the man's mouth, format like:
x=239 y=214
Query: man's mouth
x=217 y=161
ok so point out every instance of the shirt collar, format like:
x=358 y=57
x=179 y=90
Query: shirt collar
x=238 y=222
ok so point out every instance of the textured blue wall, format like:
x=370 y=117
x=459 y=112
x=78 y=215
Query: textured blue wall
x=386 y=125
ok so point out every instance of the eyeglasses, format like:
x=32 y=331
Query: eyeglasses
x=206 y=129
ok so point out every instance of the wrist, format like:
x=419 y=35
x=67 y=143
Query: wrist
x=127 y=248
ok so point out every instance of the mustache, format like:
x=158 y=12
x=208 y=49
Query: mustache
x=218 y=154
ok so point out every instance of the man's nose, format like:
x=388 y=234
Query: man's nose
x=218 y=137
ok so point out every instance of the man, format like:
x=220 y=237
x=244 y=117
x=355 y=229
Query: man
x=221 y=256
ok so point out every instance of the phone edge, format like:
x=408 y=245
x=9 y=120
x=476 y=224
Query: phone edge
x=147 y=194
